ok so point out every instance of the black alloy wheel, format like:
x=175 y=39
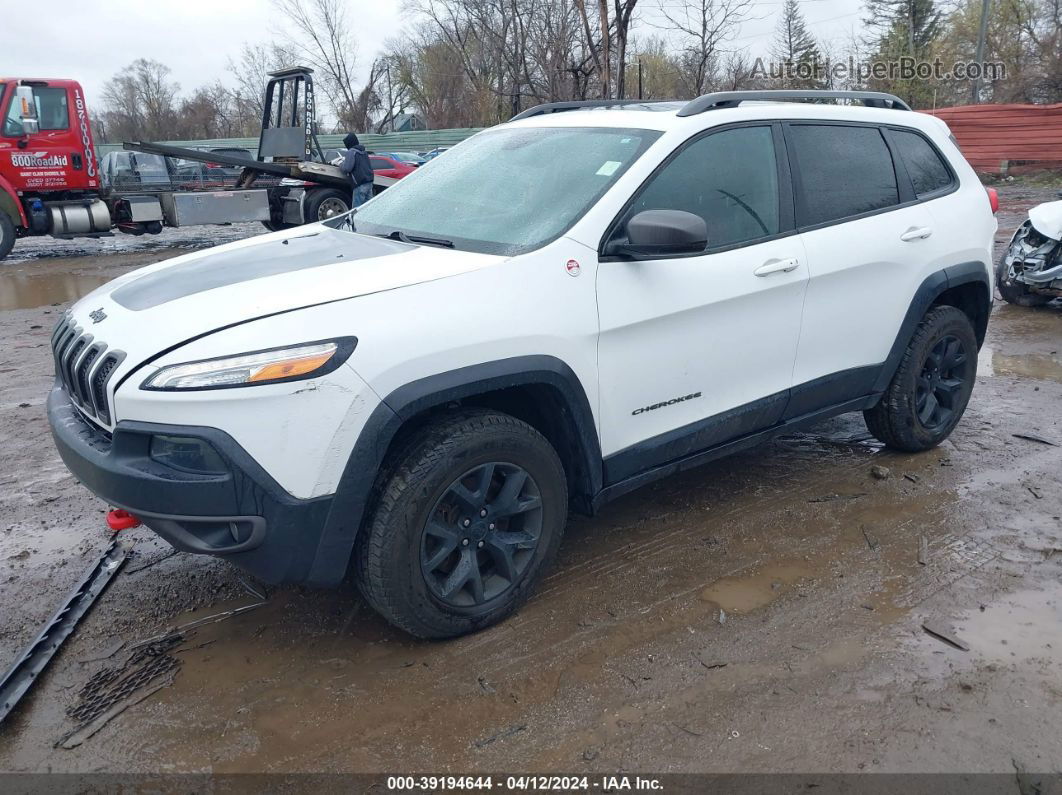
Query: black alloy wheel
x=944 y=374
x=481 y=535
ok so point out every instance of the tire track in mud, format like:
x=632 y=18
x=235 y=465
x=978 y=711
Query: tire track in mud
x=511 y=646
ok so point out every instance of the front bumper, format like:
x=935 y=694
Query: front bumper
x=241 y=514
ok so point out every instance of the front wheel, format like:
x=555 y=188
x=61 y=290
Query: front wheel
x=469 y=518
x=7 y=234
x=928 y=393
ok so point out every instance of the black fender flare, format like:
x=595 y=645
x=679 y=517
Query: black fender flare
x=354 y=492
x=934 y=285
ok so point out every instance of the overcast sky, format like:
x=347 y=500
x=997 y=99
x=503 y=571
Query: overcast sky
x=89 y=42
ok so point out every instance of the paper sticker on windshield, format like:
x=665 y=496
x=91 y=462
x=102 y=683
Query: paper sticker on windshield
x=609 y=168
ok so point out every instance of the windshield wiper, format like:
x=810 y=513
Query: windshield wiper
x=428 y=241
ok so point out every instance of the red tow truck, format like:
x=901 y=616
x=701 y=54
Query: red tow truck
x=50 y=180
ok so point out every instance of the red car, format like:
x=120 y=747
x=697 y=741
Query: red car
x=385 y=166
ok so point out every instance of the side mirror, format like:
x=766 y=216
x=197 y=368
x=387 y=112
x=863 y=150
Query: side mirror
x=27 y=109
x=664 y=233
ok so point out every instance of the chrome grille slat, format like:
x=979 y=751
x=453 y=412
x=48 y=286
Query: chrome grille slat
x=84 y=367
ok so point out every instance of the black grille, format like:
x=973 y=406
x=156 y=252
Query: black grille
x=99 y=387
x=84 y=366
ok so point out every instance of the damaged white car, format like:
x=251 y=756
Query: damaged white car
x=1030 y=271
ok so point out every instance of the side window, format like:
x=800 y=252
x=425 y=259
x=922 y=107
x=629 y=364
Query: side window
x=51 y=108
x=844 y=171
x=378 y=163
x=927 y=170
x=13 y=119
x=729 y=178
x=52 y=112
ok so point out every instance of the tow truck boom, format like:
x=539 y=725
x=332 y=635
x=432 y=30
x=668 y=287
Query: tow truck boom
x=306 y=170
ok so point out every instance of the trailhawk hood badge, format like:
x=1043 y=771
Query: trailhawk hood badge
x=98 y=315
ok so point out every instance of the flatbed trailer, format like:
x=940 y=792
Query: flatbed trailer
x=50 y=182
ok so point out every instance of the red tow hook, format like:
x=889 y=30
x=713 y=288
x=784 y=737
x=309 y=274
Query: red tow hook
x=117 y=519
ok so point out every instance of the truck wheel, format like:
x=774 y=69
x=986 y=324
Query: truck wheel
x=470 y=515
x=7 y=234
x=1016 y=293
x=929 y=392
x=323 y=204
x=276 y=227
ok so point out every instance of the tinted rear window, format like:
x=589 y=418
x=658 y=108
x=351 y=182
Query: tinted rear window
x=845 y=171
x=924 y=164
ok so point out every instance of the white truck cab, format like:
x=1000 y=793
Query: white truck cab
x=561 y=309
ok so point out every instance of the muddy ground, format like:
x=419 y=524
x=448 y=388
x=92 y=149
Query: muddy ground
x=763 y=613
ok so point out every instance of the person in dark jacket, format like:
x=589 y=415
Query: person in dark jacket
x=356 y=163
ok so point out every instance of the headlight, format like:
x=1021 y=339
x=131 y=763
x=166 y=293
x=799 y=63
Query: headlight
x=272 y=366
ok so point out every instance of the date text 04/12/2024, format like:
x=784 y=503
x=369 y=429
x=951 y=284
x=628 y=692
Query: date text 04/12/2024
x=523 y=783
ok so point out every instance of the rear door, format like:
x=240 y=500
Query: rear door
x=869 y=241
x=696 y=350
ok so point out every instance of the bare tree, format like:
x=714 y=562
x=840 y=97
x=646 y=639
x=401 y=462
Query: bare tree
x=250 y=71
x=705 y=24
x=318 y=33
x=140 y=101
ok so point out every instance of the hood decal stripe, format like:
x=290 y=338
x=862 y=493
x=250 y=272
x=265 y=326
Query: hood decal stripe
x=270 y=258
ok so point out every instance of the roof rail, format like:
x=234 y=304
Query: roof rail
x=730 y=99
x=557 y=107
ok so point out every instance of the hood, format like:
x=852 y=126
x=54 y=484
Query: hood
x=156 y=308
x=1047 y=219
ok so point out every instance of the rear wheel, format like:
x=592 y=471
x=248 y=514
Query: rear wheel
x=7 y=234
x=470 y=516
x=325 y=203
x=928 y=394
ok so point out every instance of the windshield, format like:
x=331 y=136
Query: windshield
x=506 y=191
x=408 y=157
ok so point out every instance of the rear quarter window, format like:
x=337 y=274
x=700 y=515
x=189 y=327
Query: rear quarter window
x=844 y=171
x=928 y=171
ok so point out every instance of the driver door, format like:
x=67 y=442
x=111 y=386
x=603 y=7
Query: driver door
x=698 y=349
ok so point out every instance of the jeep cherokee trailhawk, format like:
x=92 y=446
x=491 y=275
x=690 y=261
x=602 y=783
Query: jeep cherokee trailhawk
x=561 y=309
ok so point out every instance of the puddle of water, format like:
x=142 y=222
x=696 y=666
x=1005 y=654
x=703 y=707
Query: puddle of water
x=1019 y=632
x=22 y=291
x=1022 y=626
x=742 y=594
x=1041 y=366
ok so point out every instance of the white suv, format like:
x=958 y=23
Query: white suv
x=563 y=308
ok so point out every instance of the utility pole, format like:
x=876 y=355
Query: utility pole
x=640 y=79
x=975 y=92
x=390 y=97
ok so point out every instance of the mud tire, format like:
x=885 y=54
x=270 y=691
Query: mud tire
x=894 y=420
x=388 y=553
x=7 y=234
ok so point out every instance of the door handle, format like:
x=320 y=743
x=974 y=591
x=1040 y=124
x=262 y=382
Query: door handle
x=916 y=233
x=777 y=266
